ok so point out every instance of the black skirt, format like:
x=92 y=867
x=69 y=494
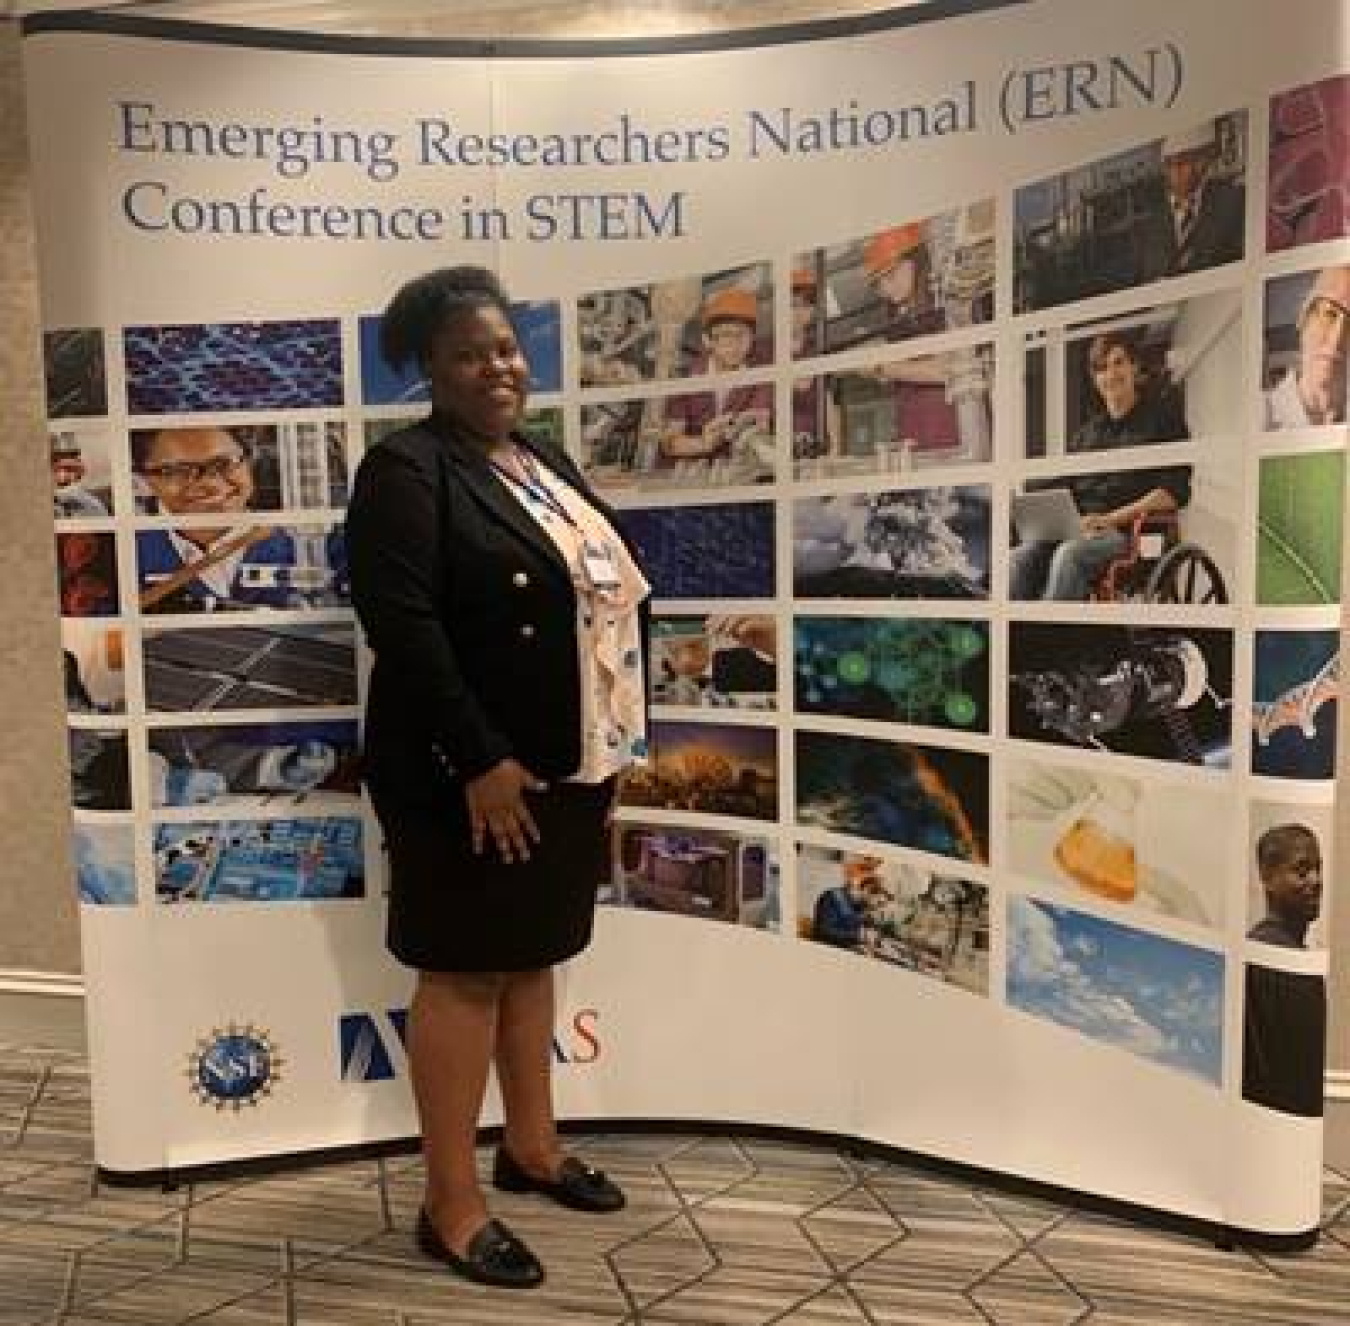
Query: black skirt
x=452 y=910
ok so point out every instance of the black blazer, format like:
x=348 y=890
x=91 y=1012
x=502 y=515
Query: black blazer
x=470 y=611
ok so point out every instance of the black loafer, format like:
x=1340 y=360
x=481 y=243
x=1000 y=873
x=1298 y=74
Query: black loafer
x=495 y=1256
x=578 y=1186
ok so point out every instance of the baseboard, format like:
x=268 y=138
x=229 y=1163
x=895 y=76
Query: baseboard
x=42 y=1008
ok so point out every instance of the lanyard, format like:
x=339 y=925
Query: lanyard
x=533 y=486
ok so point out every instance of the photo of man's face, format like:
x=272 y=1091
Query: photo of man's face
x=192 y=471
x=1116 y=377
x=1293 y=879
x=1185 y=171
x=1324 y=336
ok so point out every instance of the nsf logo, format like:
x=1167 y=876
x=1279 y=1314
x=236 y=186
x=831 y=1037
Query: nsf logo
x=233 y=1067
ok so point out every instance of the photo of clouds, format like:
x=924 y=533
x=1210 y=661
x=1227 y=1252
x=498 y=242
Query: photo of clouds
x=1141 y=993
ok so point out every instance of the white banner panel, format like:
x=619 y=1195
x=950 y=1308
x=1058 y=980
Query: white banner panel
x=976 y=391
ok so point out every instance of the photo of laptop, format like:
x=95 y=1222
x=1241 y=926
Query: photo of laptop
x=1048 y=516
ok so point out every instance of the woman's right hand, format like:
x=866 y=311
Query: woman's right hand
x=497 y=806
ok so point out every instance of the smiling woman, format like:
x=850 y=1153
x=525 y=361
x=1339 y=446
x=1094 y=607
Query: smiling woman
x=505 y=614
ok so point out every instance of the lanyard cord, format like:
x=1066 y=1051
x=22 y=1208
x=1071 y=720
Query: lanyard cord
x=533 y=486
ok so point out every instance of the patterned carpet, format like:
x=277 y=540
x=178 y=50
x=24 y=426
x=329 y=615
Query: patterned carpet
x=718 y=1232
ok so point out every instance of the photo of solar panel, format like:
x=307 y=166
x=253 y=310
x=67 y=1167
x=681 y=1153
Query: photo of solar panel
x=242 y=667
x=259 y=860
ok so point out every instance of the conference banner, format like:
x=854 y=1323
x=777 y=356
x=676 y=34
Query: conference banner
x=974 y=387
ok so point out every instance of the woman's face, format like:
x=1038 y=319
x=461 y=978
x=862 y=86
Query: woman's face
x=1117 y=382
x=194 y=471
x=478 y=372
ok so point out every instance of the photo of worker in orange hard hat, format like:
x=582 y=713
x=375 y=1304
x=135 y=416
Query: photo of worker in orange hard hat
x=720 y=431
x=900 y=269
x=684 y=326
x=730 y=424
x=914 y=278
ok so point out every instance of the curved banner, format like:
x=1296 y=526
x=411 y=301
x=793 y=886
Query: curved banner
x=976 y=391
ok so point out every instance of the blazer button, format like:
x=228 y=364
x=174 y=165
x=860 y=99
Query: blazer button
x=520 y=580
x=527 y=632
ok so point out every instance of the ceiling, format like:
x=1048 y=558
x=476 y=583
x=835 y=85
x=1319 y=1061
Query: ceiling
x=498 y=18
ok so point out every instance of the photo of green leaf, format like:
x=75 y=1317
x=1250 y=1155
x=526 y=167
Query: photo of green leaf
x=1299 y=524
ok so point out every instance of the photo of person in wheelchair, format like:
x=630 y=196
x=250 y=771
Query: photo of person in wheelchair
x=1072 y=531
x=1110 y=535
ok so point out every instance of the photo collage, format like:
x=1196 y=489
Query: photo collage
x=1196 y=530
x=967 y=607
x=208 y=646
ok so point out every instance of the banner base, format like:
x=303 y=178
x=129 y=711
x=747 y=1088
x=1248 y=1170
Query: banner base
x=1226 y=1238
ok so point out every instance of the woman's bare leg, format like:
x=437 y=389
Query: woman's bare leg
x=452 y=1028
x=524 y=1056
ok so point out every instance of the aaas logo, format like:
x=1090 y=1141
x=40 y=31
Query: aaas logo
x=373 y=1046
x=234 y=1066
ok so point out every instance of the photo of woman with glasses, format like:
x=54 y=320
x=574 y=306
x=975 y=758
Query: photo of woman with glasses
x=233 y=562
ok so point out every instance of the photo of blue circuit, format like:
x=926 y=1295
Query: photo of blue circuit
x=723 y=550
x=259 y=860
x=234 y=366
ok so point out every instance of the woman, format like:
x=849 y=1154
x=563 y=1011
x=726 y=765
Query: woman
x=504 y=614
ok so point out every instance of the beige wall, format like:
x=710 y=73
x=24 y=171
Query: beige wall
x=38 y=929
x=37 y=920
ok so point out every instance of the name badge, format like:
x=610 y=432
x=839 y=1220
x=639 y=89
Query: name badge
x=601 y=568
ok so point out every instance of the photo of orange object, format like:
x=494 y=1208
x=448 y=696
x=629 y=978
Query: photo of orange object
x=1099 y=860
x=1128 y=841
